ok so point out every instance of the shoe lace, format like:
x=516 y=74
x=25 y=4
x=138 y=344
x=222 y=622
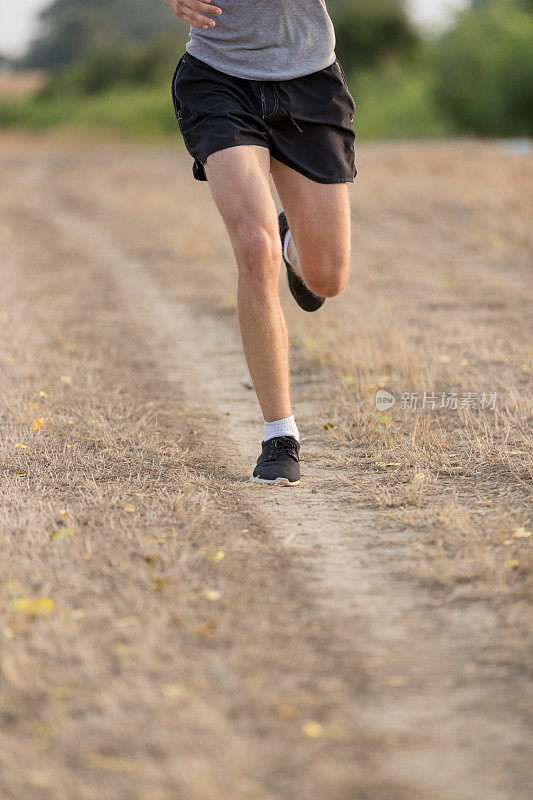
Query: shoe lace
x=282 y=444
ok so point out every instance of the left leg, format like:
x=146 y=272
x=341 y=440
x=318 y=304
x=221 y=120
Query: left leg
x=319 y=219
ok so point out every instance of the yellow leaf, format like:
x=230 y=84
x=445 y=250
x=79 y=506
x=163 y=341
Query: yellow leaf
x=66 y=379
x=63 y=512
x=39 y=779
x=32 y=605
x=313 y=729
x=211 y=594
x=37 y=423
x=70 y=347
x=521 y=533
x=512 y=563
x=35 y=406
x=19 y=446
x=172 y=690
x=384 y=418
x=63 y=533
x=464 y=362
x=211 y=555
x=444 y=359
x=131 y=509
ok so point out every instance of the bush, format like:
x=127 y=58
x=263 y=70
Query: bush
x=145 y=112
x=484 y=70
x=395 y=103
x=131 y=65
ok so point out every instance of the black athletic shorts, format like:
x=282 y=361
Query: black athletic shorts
x=306 y=123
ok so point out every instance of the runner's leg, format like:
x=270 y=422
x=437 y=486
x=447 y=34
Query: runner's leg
x=319 y=220
x=239 y=179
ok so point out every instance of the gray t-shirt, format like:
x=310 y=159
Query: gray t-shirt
x=267 y=39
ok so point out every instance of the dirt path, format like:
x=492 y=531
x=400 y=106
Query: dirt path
x=403 y=693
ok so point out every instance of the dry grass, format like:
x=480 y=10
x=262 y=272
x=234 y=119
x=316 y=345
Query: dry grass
x=449 y=287
x=438 y=301
x=161 y=673
x=155 y=642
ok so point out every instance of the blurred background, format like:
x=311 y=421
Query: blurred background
x=425 y=68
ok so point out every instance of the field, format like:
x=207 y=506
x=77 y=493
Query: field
x=170 y=631
x=19 y=85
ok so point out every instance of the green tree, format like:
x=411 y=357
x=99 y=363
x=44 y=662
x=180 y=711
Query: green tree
x=370 y=32
x=484 y=69
x=71 y=29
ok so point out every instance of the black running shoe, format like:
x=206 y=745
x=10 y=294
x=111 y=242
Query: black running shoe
x=305 y=298
x=279 y=462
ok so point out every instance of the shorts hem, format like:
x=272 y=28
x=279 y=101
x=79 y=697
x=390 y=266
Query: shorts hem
x=308 y=174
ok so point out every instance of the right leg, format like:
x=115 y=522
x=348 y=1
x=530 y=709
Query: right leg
x=239 y=179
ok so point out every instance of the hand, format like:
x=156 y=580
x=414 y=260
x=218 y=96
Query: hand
x=190 y=11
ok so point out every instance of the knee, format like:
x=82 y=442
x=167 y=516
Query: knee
x=258 y=253
x=327 y=279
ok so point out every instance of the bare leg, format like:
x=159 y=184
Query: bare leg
x=239 y=181
x=319 y=219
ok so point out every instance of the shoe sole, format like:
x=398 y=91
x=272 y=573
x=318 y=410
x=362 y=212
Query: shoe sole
x=277 y=481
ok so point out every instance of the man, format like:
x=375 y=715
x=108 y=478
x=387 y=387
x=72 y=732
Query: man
x=259 y=92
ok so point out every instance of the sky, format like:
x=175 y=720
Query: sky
x=18 y=19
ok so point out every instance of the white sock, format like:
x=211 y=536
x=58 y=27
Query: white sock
x=286 y=246
x=281 y=427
